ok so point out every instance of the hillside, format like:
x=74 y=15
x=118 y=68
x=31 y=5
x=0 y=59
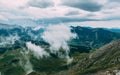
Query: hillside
x=94 y=37
x=114 y=30
x=104 y=61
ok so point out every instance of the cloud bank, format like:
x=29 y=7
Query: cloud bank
x=30 y=12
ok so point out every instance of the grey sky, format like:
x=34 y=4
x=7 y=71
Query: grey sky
x=36 y=12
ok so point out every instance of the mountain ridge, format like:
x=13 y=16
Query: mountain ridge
x=104 y=61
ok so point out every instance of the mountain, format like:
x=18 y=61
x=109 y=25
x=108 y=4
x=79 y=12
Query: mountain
x=15 y=59
x=114 y=30
x=104 y=61
x=94 y=37
x=7 y=26
x=86 y=37
x=23 y=33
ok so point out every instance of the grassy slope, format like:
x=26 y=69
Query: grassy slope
x=104 y=59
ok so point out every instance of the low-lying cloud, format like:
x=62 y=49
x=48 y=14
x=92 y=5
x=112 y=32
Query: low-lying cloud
x=37 y=51
x=25 y=61
x=10 y=40
x=58 y=36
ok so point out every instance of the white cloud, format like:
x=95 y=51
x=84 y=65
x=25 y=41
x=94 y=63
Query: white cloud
x=58 y=36
x=3 y=18
x=38 y=28
x=20 y=9
x=38 y=52
x=8 y=40
x=25 y=61
x=10 y=4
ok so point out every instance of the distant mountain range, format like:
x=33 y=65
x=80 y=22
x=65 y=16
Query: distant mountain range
x=94 y=37
x=90 y=37
x=115 y=30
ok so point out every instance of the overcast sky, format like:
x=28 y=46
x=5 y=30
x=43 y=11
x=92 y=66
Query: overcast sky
x=95 y=13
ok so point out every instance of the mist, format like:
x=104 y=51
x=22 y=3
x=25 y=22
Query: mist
x=58 y=36
x=10 y=40
x=37 y=51
x=25 y=61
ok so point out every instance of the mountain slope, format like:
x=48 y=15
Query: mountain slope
x=84 y=62
x=94 y=37
x=115 y=30
x=102 y=61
